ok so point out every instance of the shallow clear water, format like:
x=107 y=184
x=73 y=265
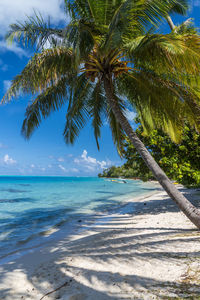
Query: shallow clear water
x=32 y=205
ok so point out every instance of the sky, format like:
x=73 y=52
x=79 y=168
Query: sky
x=46 y=153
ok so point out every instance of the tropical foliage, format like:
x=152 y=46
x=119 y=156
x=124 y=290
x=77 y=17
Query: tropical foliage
x=110 y=57
x=181 y=162
x=110 y=38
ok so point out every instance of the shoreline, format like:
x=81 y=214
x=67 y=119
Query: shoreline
x=40 y=270
x=67 y=228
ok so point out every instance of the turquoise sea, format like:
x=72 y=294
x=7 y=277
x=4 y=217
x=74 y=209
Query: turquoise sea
x=30 y=206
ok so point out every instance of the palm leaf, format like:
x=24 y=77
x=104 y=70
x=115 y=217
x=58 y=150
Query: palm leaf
x=170 y=53
x=52 y=99
x=133 y=18
x=97 y=106
x=180 y=7
x=43 y=70
x=160 y=102
x=78 y=111
x=34 y=31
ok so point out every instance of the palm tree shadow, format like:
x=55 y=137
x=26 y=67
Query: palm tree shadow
x=112 y=261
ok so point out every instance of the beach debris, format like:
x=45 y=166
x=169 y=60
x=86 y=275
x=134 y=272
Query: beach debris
x=58 y=288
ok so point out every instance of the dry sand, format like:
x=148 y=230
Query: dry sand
x=152 y=252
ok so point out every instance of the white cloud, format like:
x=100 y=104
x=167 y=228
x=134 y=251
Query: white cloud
x=14 y=10
x=61 y=159
x=77 y=161
x=102 y=164
x=91 y=168
x=62 y=168
x=32 y=166
x=130 y=115
x=8 y=160
x=91 y=163
x=4 y=47
x=88 y=159
x=56 y=159
x=74 y=170
x=6 y=84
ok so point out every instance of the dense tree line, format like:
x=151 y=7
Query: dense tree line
x=181 y=162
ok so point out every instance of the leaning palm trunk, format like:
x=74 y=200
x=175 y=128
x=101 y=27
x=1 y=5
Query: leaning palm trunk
x=90 y=48
x=170 y=22
x=187 y=208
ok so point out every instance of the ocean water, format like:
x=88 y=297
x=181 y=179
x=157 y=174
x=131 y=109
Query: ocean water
x=30 y=206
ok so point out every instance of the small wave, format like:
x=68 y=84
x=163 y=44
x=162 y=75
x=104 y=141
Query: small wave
x=16 y=200
x=25 y=242
x=25 y=220
x=34 y=222
x=14 y=191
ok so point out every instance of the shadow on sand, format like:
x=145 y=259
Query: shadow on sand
x=111 y=247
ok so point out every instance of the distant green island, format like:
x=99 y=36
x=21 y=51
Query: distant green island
x=181 y=162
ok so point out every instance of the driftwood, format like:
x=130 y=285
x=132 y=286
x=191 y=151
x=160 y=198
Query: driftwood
x=60 y=287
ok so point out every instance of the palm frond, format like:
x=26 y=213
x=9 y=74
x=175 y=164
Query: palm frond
x=81 y=36
x=34 y=31
x=111 y=38
x=97 y=110
x=78 y=111
x=101 y=11
x=187 y=27
x=180 y=7
x=170 y=53
x=78 y=9
x=134 y=18
x=52 y=99
x=160 y=102
x=43 y=70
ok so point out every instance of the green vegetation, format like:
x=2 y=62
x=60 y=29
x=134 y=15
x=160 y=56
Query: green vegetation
x=181 y=162
x=110 y=58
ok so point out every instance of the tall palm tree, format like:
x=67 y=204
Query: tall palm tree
x=107 y=59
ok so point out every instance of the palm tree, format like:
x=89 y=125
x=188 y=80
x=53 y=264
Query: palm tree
x=108 y=59
x=180 y=7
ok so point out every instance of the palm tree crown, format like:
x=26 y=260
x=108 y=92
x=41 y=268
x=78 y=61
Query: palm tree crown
x=156 y=74
x=108 y=58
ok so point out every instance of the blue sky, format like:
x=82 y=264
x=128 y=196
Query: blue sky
x=46 y=153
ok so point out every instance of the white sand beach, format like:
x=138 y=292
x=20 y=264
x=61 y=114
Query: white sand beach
x=150 y=252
